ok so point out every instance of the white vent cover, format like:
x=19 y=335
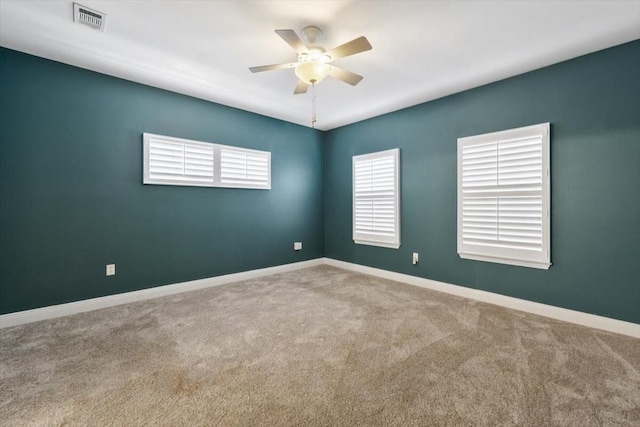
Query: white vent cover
x=90 y=17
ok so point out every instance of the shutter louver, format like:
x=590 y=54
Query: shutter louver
x=180 y=162
x=244 y=168
x=502 y=205
x=375 y=203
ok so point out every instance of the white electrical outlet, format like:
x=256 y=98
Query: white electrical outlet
x=297 y=246
x=415 y=258
x=111 y=269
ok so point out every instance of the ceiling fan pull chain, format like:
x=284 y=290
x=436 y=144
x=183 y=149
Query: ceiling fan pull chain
x=313 y=106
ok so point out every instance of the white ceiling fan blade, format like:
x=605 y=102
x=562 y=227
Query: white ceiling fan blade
x=294 y=41
x=358 y=45
x=344 y=75
x=272 y=67
x=301 y=87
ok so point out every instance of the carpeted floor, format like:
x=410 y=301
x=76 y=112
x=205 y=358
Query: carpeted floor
x=316 y=347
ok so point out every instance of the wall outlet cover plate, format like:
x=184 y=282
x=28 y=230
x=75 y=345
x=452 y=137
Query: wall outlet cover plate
x=111 y=269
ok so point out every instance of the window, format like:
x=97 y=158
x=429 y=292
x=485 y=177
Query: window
x=243 y=168
x=376 y=199
x=175 y=161
x=503 y=197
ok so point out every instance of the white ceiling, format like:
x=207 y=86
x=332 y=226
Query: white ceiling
x=422 y=50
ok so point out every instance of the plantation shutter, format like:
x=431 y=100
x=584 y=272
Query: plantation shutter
x=245 y=168
x=178 y=161
x=376 y=199
x=503 y=195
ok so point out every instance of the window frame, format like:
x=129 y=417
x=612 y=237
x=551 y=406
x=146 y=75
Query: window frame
x=363 y=238
x=504 y=255
x=217 y=179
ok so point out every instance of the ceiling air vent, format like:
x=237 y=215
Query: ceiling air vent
x=90 y=17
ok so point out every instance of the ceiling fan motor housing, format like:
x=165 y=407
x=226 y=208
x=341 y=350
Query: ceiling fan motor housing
x=316 y=53
x=311 y=34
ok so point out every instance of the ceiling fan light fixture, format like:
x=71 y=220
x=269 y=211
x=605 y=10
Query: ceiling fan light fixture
x=312 y=72
x=314 y=54
x=312 y=66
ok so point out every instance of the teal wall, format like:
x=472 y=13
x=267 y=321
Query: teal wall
x=72 y=198
x=593 y=104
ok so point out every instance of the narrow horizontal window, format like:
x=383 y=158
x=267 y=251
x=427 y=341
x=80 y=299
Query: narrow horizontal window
x=503 y=197
x=176 y=161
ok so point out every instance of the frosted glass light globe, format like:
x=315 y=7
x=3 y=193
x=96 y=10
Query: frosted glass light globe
x=312 y=72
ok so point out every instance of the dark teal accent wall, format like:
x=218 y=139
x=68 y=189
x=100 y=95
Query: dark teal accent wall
x=593 y=104
x=72 y=198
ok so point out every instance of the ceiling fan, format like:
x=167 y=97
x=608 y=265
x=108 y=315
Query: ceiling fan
x=313 y=61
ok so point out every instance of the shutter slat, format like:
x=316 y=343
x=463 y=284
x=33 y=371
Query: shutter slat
x=172 y=178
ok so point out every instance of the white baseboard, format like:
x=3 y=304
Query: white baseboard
x=53 y=311
x=572 y=316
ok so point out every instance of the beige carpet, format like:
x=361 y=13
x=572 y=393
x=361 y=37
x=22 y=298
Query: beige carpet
x=316 y=347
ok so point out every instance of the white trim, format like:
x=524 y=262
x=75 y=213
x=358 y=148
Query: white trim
x=564 y=314
x=53 y=311
x=374 y=243
x=519 y=263
x=572 y=316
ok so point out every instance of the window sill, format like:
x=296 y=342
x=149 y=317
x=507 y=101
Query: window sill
x=520 y=263
x=380 y=244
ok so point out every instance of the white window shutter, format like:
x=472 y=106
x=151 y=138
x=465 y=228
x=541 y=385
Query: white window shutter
x=245 y=168
x=176 y=161
x=503 y=197
x=376 y=199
